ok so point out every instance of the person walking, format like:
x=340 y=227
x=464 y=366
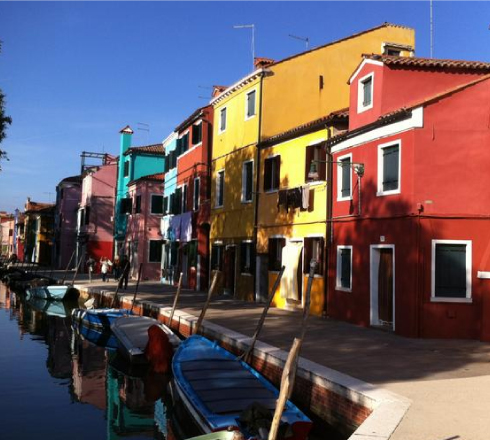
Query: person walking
x=125 y=272
x=116 y=267
x=105 y=265
x=90 y=266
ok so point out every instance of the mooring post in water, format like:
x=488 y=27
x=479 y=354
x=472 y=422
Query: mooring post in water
x=68 y=267
x=177 y=294
x=137 y=287
x=211 y=290
x=250 y=349
x=119 y=284
x=289 y=372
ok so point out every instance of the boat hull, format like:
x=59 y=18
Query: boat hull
x=53 y=292
x=100 y=319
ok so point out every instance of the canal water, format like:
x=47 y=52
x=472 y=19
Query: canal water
x=56 y=384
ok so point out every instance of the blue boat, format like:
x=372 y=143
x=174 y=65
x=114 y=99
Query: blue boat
x=96 y=336
x=101 y=319
x=219 y=391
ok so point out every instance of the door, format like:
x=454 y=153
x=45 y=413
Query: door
x=184 y=269
x=385 y=287
x=229 y=282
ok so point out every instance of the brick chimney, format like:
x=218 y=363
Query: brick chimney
x=261 y=63
x=217 y=90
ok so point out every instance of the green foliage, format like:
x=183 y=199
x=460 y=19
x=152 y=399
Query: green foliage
x=4 y=120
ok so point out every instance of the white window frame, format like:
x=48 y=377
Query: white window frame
x=225 y=109
x=243 y=200
x=195 y=206
x=360 y=93
x=381 y=147
x=246 y=104
x=339 y=178
x=151 y=204
x=274 y=190
x=251 y=262
x=338 y=284
x=217 y=205
x=469 y=247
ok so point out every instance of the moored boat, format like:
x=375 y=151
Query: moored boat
x=101 y=319
x=220 y=391
x=132 y=333
x=53 y=292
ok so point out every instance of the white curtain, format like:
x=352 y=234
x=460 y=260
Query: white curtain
x=291 y=254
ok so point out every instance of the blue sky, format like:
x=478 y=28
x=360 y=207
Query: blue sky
x=75 y=73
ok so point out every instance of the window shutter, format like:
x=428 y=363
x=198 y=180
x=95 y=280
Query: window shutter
x=166 y=163
x=308 y=254
x=308 y=160
x=322 y=166
x=367 y=91
x=345 y=268
x=277 y=161
x=390 y=167
x=251 y=104
x=450 y=274
x=346 y=178
x=268 y=174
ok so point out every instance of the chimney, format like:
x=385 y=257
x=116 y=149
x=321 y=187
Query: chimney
x=218 y=90
x=262 y=63
x=126 y=137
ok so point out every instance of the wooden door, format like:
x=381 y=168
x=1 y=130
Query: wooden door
x=230 y=270
x=385 y=287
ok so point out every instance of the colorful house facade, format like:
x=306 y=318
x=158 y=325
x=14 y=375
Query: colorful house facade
x=187 y=199
x=143 y=236
x=234 y=157
x=68 y=194
x=7 y=226
x=410 y=234
x=39 y=232
x=95 y=215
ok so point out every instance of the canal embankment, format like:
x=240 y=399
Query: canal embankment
x=373 y=384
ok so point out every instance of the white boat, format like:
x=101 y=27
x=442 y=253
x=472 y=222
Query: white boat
x=132 y=335
x=53 y=292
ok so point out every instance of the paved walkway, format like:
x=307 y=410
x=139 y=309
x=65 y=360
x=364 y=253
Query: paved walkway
x=447 y=380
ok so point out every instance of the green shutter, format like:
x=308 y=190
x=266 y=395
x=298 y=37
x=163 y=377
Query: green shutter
x=390 y=167
x=450 y=276
x=345 y=268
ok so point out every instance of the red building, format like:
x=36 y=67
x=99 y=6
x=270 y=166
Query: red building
x=193 y=198
x=410 y=223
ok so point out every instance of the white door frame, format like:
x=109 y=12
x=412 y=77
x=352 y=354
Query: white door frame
x=373 y=273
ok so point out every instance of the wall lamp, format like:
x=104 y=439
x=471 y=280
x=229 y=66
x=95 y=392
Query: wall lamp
x=356 y=166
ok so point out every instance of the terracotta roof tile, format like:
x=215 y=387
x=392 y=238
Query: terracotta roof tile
x=159 y=177
x=428 y=63
x=37 y=206
x=149 y=149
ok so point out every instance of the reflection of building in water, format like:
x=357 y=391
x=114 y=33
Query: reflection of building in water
x=58 y=336
x=89 y=372
x=128 y=411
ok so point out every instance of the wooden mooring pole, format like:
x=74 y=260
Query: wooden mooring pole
x=206 y=305
x=119 y=283
x=68 y=267
x=177 y=294
x=137 y=287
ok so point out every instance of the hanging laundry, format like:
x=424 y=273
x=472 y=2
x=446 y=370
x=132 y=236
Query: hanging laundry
x=305 y=197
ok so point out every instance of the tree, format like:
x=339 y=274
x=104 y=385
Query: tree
x=4 y=120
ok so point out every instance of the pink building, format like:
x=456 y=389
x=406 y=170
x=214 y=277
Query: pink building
x=143 y=237
x=68 y=194
x=95 y=214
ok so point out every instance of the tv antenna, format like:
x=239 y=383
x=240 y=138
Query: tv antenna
x=431 y=30
x=143 y=126
x=249 y=26
x=305 y=39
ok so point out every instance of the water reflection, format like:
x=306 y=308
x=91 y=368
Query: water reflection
x=124 y=402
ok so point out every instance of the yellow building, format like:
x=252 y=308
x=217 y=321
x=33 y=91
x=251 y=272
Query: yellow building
x=233 y=170
x=312 y=84
x=302 y=96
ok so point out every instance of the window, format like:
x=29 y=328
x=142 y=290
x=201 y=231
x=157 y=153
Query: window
x=126 y=168
x=451 y=269
x=247 y=257
x=87 y=215
x=155 y=254
x=392 y=52
x=389 y=168
x=197 y=189
x=275 y=253
x=183 y=144
x=251 y=104
x=222 y=120
x=365 y=93
x=344 y=268
x=177 y=202
x=197 y=133
x=166 y=163
x=137 y=204
x=315 y=168
x=220 y=188
x=272 y=169
x=184 y=198
x=165 y=205
x=217 y=257
x=156 y=204
x=344 y=178
x=314 y=251
x=247 y=181
x=126 y=206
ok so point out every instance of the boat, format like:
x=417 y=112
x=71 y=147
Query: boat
x=219 y=435
x=101 y=319
x=132 y=333
x=53 y=292
x=51 y=308
x=96 y=336
x=220 y=392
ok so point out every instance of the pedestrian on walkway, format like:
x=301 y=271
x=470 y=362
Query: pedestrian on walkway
x=90 y=267
x=116 y=267
x=125 y=272
x=105 y=265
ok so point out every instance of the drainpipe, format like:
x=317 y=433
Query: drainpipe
x=257 y=188
x=328 y=223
